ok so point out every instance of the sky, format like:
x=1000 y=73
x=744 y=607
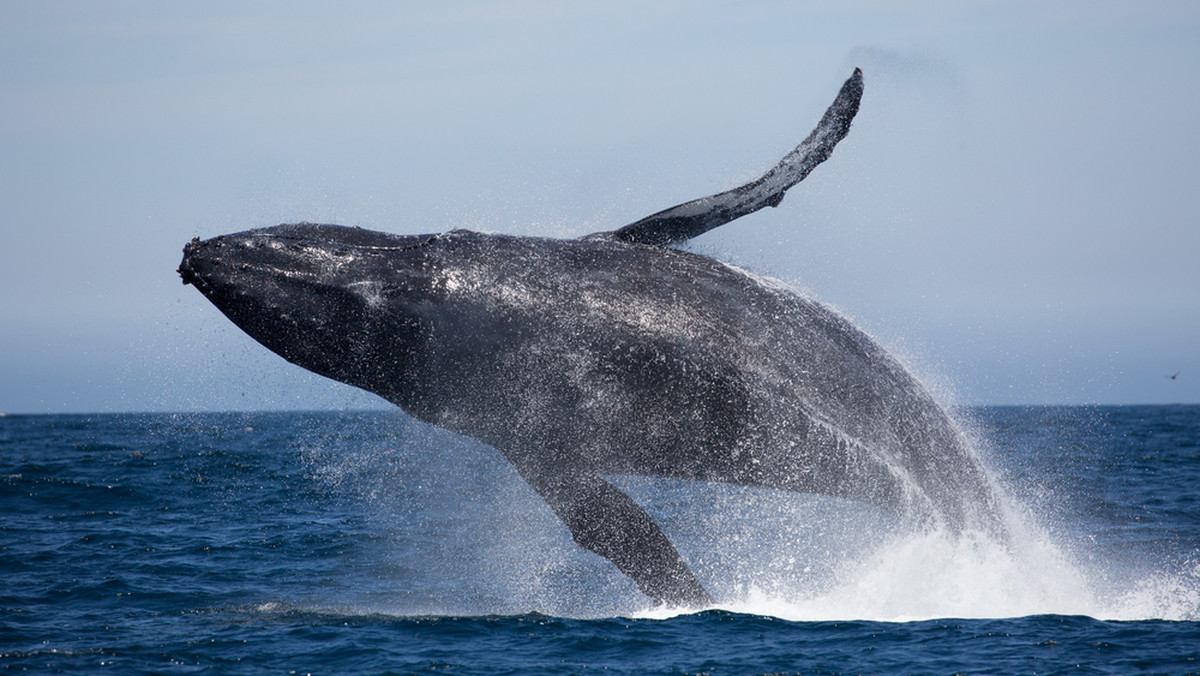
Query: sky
x=1014 y=212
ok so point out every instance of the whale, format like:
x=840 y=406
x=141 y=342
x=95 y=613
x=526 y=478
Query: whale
x=617 y=353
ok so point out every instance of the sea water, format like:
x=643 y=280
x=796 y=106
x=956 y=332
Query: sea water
x=366 y=542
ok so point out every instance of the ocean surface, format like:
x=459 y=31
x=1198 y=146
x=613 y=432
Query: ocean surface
x=367 y=543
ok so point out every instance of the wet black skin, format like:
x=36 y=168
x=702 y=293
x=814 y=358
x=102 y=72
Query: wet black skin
x=609 y=355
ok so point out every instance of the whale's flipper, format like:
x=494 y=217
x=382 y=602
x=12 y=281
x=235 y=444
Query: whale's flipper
x=608 y=522
x=697 y=217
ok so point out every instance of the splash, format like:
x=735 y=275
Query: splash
x=454 y=531
x=934 y=574
x=937 y=574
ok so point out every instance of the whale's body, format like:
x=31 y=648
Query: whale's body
x=610 y=354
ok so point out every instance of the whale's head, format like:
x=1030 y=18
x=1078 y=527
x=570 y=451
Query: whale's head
x=342 y=302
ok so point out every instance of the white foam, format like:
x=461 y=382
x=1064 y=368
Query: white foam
x=930 y=575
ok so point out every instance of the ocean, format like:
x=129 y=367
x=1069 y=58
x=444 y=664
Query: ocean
x=364 y=542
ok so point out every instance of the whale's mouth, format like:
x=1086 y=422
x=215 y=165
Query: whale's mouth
x=315 y=295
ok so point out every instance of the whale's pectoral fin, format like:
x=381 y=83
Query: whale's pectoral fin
x=697 y=217
x=608 y=522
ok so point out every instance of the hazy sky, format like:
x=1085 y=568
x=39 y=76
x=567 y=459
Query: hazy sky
x=1015 y=210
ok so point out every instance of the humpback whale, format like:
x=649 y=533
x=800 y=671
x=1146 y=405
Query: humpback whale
x=611 y=354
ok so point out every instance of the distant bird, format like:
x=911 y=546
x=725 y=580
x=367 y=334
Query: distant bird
x=1173 y=377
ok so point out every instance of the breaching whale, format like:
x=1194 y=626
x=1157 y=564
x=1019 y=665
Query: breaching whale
x=612 y=354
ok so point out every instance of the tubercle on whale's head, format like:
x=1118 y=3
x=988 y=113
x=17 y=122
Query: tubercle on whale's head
x=340 y=301
x=301 y=251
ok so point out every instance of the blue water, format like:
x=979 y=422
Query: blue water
x=365 y=542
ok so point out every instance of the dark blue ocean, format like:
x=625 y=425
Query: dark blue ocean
x=364 y=542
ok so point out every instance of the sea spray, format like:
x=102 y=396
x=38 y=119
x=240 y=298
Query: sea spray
x=461 y=534
x=1158 y=595
x=929 y=575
